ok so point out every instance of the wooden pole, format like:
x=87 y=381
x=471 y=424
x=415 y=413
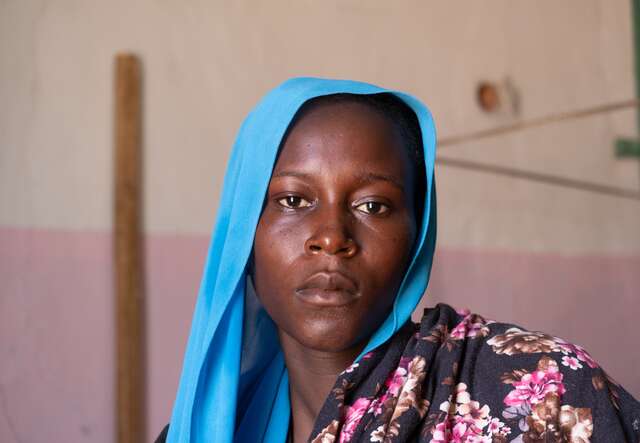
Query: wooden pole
x=130 y=367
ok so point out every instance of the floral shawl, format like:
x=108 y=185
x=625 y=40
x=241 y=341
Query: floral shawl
x=457 y=377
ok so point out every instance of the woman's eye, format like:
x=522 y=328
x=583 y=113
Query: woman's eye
x=372 y=208
x=293 y=202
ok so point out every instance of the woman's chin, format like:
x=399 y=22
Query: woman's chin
x=328 y=334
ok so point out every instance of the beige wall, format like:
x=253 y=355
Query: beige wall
x=205 y=64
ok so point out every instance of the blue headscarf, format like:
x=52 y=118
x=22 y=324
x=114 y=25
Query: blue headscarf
x=234 y=385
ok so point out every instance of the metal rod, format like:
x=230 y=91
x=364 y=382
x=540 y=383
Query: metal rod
x=542 y=121
x=540 y=178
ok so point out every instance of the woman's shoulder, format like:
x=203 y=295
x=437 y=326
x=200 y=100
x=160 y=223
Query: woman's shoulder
x=529 y=378
x=462 y=327
x=510 y=349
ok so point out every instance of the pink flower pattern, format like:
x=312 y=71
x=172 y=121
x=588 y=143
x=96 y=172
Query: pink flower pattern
x=471 y=326
x=580 y=353
x=393 y=384
x=467 y=421
x=571 y=362
x=354 y=414
x=533 y=387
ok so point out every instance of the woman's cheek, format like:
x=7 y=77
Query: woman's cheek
x=288 y=244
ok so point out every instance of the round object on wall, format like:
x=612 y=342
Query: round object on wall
x=488 y=97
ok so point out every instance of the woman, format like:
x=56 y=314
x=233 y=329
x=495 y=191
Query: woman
x=322 y=249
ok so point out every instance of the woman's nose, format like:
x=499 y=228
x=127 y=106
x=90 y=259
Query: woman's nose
x=332 y=239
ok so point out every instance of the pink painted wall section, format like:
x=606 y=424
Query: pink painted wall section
x=57 y=331
x=175 y=267
x=56 y=319
x=56 y=337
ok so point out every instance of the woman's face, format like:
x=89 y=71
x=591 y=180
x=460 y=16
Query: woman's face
x=336 y=233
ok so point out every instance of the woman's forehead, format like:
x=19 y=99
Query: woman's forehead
x=338 y=135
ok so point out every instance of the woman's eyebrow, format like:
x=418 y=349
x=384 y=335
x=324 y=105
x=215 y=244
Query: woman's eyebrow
x=291 y=174
x=368 y=177
x=372 y=177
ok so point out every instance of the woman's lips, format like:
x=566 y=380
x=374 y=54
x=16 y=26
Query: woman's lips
x=328 y=289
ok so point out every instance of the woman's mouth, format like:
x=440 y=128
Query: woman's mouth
x=328 y=289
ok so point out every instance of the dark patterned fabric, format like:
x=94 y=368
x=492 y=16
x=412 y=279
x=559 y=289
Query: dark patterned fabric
x=457 y=377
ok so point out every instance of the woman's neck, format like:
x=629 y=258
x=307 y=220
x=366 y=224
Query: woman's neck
x=312 y=374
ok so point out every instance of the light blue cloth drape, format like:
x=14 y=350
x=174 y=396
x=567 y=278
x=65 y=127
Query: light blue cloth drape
x=234 y=385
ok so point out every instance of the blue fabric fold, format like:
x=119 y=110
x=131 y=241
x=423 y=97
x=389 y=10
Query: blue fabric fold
x=234 y=385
